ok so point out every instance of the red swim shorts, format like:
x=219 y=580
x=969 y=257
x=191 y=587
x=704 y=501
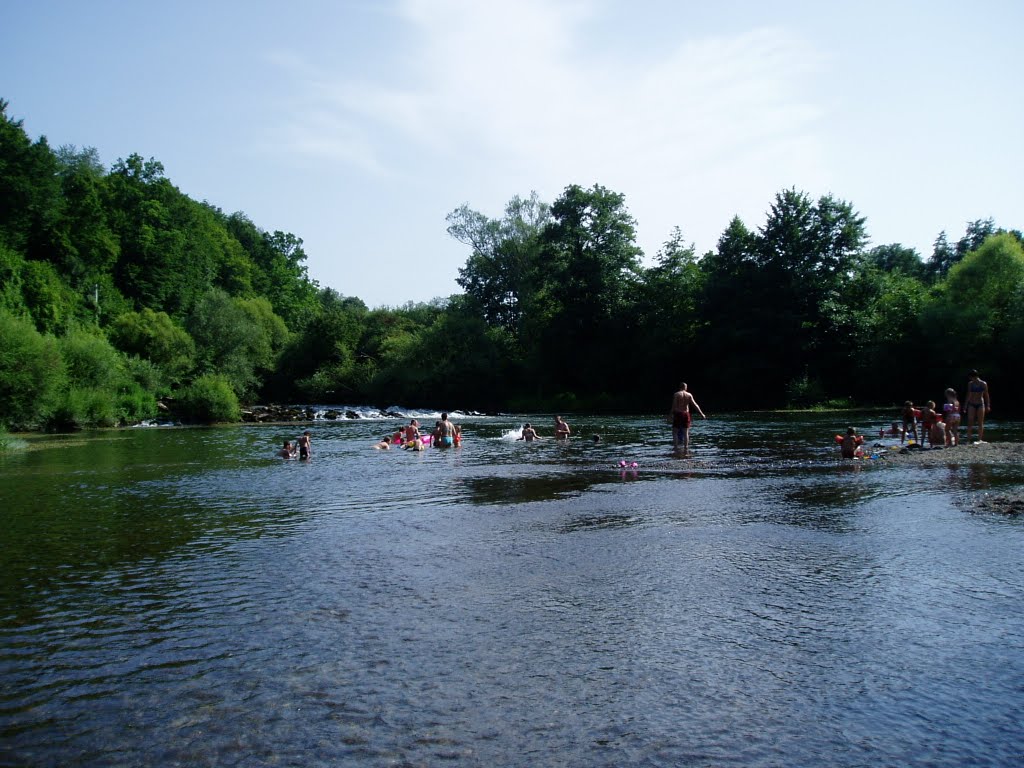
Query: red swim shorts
x=680 y=419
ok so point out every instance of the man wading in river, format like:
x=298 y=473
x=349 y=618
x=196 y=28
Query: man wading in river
x=680 y=415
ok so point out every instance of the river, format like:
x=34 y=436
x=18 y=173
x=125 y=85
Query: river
x=178 y=596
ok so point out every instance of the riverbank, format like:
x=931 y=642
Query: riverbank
x=1006 y=501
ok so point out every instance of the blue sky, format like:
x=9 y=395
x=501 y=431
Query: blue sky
x=359 y=126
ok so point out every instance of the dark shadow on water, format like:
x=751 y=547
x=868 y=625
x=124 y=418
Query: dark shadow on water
x=599 y=522
x=520 y=490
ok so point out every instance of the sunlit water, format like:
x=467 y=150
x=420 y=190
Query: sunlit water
x=180 y=597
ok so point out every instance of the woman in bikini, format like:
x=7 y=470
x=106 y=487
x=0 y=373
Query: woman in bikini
x=976 y=404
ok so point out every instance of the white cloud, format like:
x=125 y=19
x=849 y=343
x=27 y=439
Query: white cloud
x=488 y=90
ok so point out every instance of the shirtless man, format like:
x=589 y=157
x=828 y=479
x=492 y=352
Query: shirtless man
x=562 y=430
x=680 y=415
x=445 y=432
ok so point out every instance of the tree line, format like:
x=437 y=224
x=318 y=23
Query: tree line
x=119 y=294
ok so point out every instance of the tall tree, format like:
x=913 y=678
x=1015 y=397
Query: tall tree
x=589 y=268
x=499 y=277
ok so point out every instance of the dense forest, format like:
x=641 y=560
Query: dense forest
x=119 y=295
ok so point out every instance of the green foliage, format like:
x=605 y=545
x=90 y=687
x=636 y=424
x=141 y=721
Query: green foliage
x=31 y=372
x=154 y=336
x=81 y=407
x=209 y=399
x=91 y=362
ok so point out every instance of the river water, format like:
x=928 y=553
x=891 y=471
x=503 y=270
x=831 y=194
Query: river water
x=180 y=597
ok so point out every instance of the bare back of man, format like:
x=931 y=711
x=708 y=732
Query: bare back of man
x=682 y=401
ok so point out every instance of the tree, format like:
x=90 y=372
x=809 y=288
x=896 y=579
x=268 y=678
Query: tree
x=667 y=311
x=31 y=372
x=154 y=336
x=588 y=271
x=897 y=258
x=499 y=276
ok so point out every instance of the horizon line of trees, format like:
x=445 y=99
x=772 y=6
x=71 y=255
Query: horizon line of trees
x=119 y=293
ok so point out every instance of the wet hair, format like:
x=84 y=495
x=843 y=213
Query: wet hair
x=951 y=391
x=444 y=417
x=930 y=403
x=974 y=372
x=851 y=430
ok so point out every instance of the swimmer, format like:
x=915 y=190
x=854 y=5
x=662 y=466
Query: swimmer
x=412 y=432
x=529 y=433
x=287 y=450
x=445 y=432
x=384 y=444
x=457 y=437
x=682 y=400
x=562 y=430
x=851 y=443
x=305 y=450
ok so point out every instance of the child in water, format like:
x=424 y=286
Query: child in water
x=928 y=417
x=384 y=444
x=951 y=410
x=910 y=414
x=850 y=445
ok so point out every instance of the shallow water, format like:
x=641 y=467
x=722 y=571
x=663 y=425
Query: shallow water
x=179 y=597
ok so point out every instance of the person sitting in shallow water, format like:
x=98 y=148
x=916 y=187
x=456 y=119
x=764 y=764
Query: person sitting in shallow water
x=384 y=444
x=851 y=443
x=287 y=450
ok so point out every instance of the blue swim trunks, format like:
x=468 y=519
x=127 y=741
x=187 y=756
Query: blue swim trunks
x=446 y=441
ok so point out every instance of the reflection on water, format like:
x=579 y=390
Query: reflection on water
x=181 y=597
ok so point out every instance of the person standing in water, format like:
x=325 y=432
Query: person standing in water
x=562 y=430
x=305 y=449
x=976 y=404
x=445 y=432
x=681 y=418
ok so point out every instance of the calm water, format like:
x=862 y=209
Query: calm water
x=179 y=597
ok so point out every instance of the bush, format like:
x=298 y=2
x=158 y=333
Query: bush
x=31 y=372
x=81 y=407
x=209 y=399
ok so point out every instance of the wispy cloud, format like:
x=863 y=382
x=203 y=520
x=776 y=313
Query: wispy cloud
x=521 y=85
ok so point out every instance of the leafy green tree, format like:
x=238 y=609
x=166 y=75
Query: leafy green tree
x=50 y=301
x=590 y=264
x=897 y=258
x=31 y=372
x=209 y=399
x=668 y=317
x=84 y=246
x=278 y=270
x=499 y=277
x=236 y=338
x=154 y=336
x=29 y=189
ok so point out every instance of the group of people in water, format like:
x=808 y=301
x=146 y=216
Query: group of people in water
x=301 y=448
x=562 y=431
x=444 y=435
x=939 y=428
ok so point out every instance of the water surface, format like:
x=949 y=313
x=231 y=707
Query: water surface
x=180 y=597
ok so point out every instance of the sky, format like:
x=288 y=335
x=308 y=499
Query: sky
x=359 y=125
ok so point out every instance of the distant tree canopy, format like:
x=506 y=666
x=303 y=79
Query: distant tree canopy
x=117 y=289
